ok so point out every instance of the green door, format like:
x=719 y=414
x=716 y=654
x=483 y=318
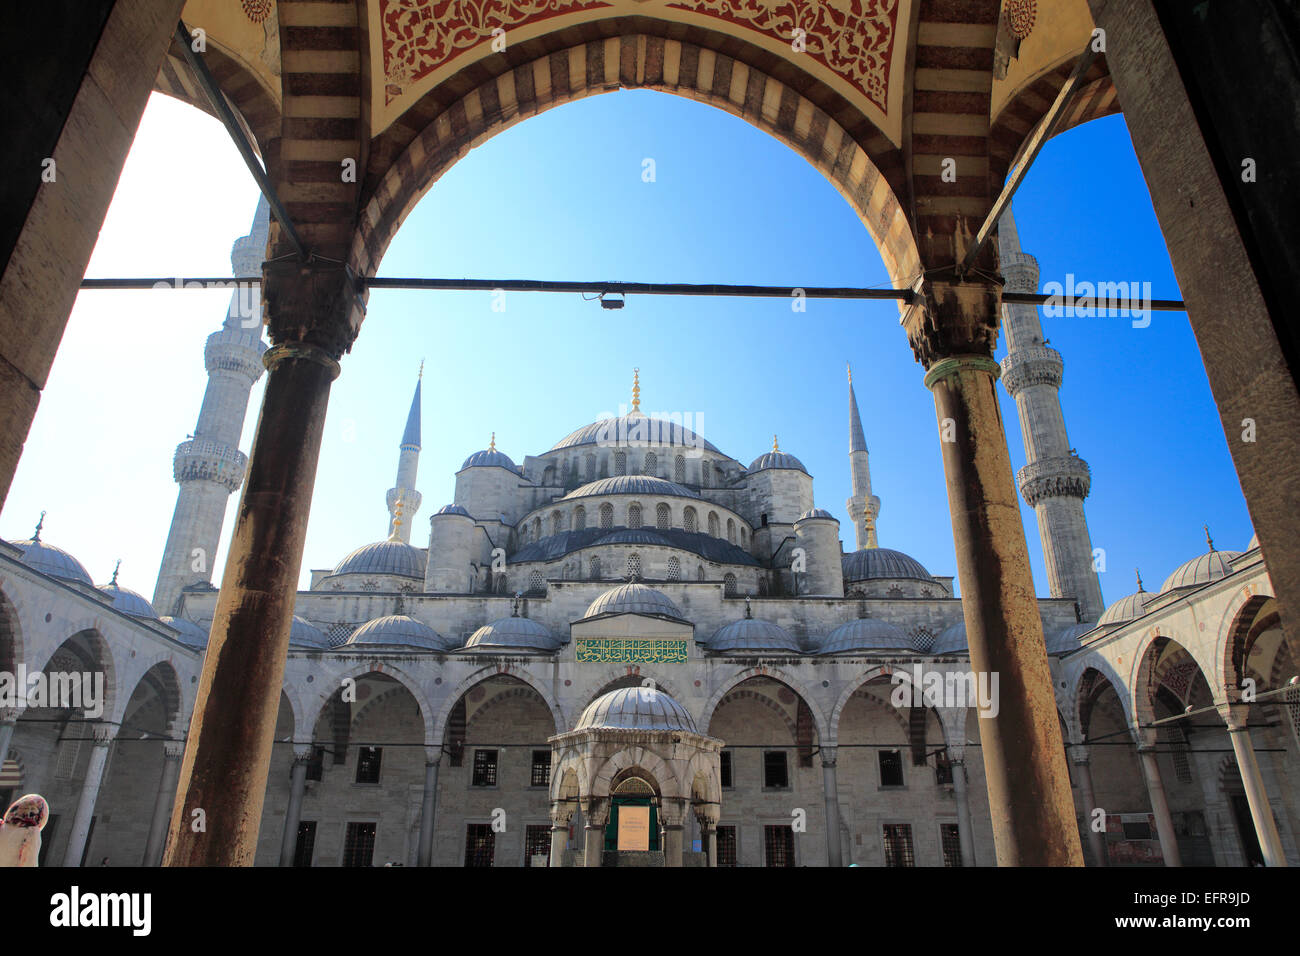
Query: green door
x=611 y=828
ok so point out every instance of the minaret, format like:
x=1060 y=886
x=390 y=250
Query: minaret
x=209 y=466
x=1055 y=480
x=863 y=506
x=403 y=499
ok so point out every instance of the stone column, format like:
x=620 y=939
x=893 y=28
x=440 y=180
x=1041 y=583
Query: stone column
x=102 y=737
x=1160 y=806
x=595 y=812
x=1097 y=839
x=672 y=815
x=293 y=814
x=172 y=751
x=961 y=792
x=1261 y=812
x=952 y=328
x=429 y=809
x=834 y=853
x=312 y=311
x=8 y=721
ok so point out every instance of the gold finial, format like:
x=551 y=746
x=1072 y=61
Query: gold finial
x=113 y=583
x=492 y=446
x=397 y=519
x=1208 y=539
x=636 y=390
x=36 y=535
x=775 y=447
x=1139 y=577
x=420 y=377
x=850 y=368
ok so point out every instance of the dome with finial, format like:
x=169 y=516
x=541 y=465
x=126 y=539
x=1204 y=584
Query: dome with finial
x=491 y=458
x=635 y=708
x=634 y=599
x=452 y=510
x=401 y=631
x=749 y=634
x=126 y=600
x=1129 y=607
x=870 y=564
x=776 y=458
x=1202 y=569
x=307 y=636
x=47 y=559
x=634 y=428
x=864 y=634
x=815 y=513
x=513 y=634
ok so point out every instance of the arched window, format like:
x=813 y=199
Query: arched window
x=729 y=585
x=689 y=520
x=674 y=569
x=651 y=463
x=537 y=528
x=606 y=516
x=591 y=466
x=579 y=518
x=705 y=468
x=699 y=572
x=713 y=524
x=679 y=469
x=557 y=522
x=744 y=536
x=535 y=583
x=594 y=567
x=731 y=531
x=634 y=567
x=620 y=463
x=634 y=515
x=663 y=517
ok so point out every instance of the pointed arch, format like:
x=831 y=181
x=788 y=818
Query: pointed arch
x=487 y=672
x=705 y=718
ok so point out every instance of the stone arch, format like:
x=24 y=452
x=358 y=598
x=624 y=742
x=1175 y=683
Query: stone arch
x=1236 y=633
x=92 y=650
x=634 y=759
x=702 y=772
x=772 y=673
x=364 y=668
x=520 y=690
x=744 y=693
x=568 y=777
x=439 y=729
x=11 y=634
x=165 y=682
x=1142 y=698
x=866 y=677
x=642 y=60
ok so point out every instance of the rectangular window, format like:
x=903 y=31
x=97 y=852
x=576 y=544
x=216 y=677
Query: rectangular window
x=541 y=775
x=306 y=844
x=480 y=843
x=359 y=845
x=724 y=769
x=778 y=845
x=316 y=765
x=898 y=845
x=891 y=768
x=485 y=768
x=776 y=771
x=537 y=843
x=726 y=846
x=950 y=837
x=368 y=764
x=1137 y=830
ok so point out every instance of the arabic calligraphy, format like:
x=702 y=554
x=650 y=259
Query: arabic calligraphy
x=614 y=650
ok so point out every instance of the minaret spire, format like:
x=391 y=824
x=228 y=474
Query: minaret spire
x=863 y=506
x=402 y=497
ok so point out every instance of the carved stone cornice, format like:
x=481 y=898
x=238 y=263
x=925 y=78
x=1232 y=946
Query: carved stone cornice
x=1032 y=365
x=1066 y=477
x=950 y=317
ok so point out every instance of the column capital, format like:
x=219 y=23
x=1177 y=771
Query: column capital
x=595 y=810
x=829 y=755
x=10 y=715
x=953 y=317
x=302 y=752
x=173 y=750
x=1079 y=754
x=103 y=734
x=432 y=756
x=317 y=303
x=1236 y=714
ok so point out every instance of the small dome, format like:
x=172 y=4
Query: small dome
x=384 y=557
x=515 y=633
x=870 y=564
x=632 y=485
x=776 y=459
x=1127 y=608
x=489 y=458
x=864 y=634
x=399 y=630
x=307 y=635
x=1201 y=570
x=1067 y=640
x=816 y=513
x=190 y=634
x=749 y=634
x=128 y=601
x=951 y=640
x=452 y=510
x=634 y=428
x=635 y=708
x=56 y=562
x=634 y=599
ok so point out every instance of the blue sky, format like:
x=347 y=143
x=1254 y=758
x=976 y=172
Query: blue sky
x=561 y=196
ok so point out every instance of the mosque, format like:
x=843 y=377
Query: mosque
x=631 y=648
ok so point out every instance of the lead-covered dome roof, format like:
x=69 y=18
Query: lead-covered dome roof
x=453 y=510
x=514 y=633
x=864 y=634
x=400 y=630
x=384 y=557
x=776 y=459
x=634 y=599
x=1066 y=640
x=871 y=564
x=631 y=485
x=555 y=546
x=489 y=458
x=635 y=708
x=47 y=559
x=128 y=601
x=306 y=635
x=1202 y=569
x=1127 y=608
x=188 y=632
x=816 y=513
x=951 y=640
x=635 y=428
x=751 y=634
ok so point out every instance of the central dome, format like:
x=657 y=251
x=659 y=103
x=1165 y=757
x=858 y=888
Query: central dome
x=634 y=429
x=635 y=708
x=631 y=485
x=634 y=599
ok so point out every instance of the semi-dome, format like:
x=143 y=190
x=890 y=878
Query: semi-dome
x=635 y=708
x=952 y=640
x=307 y=635
x=1201 y=570
x=864 y=634
x=384 y=557
x=816 y=513
x=632 y=485
x=634 y=599
x=490 y=458
x=188 y=633
x=635 y=428
x=750 y=634
x=400 y=630
x=1127 y=608
x=47 y=559
x=776 y=459
x=871 y=564
x=1067 y=640
x=514 y=633
x=128 y=601
x=452 y=510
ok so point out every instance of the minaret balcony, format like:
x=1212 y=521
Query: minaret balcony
x=198 y=460
x=1032 y=365
x=1020 y=272
x=1065 y=477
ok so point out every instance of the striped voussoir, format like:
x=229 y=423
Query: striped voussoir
x=951 y=99
x=321 y=126
x=865 y=169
